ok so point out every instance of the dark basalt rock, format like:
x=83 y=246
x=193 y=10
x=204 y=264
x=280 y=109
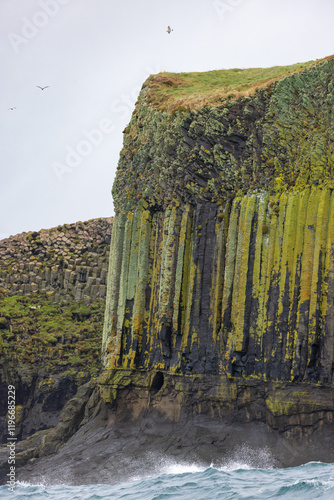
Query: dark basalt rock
x=160 y=418
x=219 y=321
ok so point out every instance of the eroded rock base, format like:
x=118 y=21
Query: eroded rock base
x=136 y=423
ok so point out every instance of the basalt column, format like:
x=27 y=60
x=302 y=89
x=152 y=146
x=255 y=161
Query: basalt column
x=246 y=289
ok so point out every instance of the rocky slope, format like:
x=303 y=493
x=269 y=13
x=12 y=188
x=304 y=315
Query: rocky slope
x=53 y=285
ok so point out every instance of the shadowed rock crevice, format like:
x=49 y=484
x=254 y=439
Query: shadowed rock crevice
x=157 y=383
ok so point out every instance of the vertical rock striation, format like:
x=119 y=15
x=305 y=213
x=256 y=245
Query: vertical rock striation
x=248 y=294
x=219 y=317
x=206 y=277
x=222 y=255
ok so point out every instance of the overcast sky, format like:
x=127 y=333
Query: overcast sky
x=60 y=146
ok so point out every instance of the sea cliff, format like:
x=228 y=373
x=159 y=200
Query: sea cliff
x=219 y=318
x=222 y=256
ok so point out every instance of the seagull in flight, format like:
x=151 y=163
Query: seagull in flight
x=169 y=30
x=42 y=88
x=11 y=109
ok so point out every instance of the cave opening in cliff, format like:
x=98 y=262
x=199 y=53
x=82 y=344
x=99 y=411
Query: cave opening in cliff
x=157 y=382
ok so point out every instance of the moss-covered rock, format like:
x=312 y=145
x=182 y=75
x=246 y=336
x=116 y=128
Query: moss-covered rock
x=276 y=138
x=225 y=263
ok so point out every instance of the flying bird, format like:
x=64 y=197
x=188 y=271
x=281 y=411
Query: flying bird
x=42 y=88
x=11 y=109
x=169 y=30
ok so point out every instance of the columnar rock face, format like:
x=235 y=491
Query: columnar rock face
x=219 y=317
x=249 y=294
x=222 y=253
x=223 y=277
x=67 y=262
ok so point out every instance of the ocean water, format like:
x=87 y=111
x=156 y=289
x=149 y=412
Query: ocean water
x=191 y=482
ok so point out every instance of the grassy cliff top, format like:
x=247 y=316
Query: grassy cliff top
x=172 y=91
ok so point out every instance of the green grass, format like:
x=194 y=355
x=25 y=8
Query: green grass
x=44 y=336
x=172 y=91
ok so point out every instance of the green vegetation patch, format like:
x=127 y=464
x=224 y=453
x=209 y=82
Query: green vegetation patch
x=43 y=336
x=194 y=90
x=282 y=403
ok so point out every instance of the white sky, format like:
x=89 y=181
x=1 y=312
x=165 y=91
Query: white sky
x=59 y=148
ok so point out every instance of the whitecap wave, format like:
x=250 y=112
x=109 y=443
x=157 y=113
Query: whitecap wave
x=246 y=457
x=182 y=468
